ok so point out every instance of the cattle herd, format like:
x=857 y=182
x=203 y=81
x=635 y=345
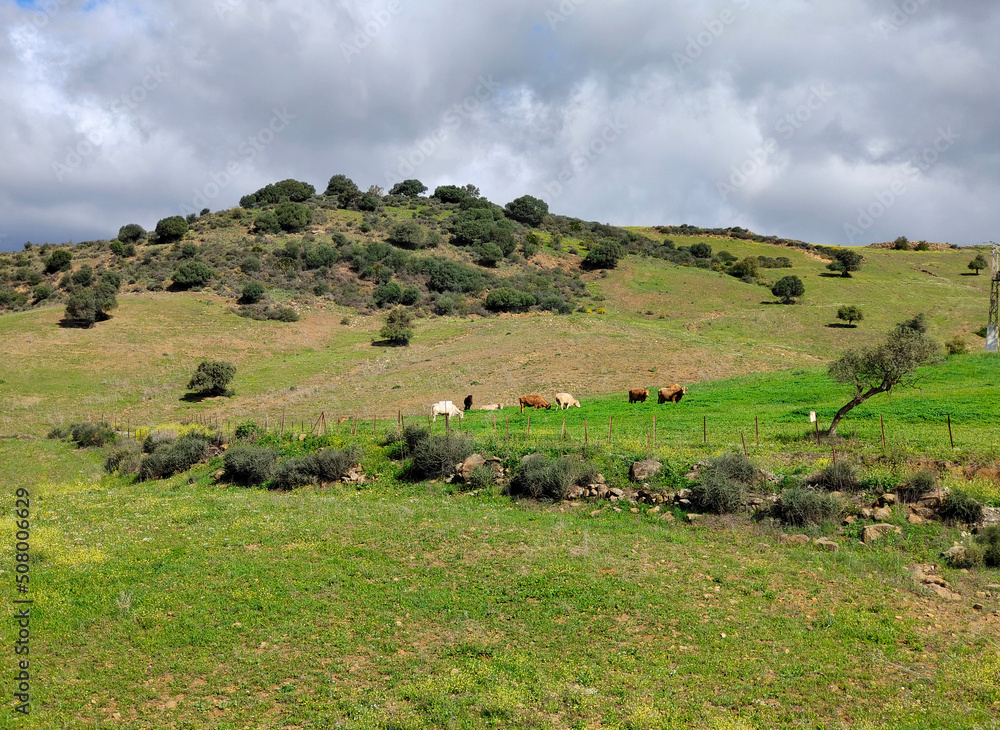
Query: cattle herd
x=672 y=394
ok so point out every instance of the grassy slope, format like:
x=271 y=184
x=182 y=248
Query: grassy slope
x=404 y=606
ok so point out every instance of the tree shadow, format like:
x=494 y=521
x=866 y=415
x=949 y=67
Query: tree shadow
x=968 y=273
x=389 y=343
x=834 y=276
x=193 y=397
x=76 y=324
x=778 y=301
x=842 y=326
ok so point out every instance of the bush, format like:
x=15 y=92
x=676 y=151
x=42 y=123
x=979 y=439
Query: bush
x=745 y=268
x=131 y=233
x=801 y=506
x=840 y=477
x=156 y=438
x=248 y=465
x=252 y=293
x=506 y=299
x=489 y=255
x=192 y=274
x=407 y=234
x=603 y=255
x=84 y=276
x=718 y=493
x=87 y=306
x=293 y=217
x=527 y=210
x=434 y=456
x=919 y=484
x=901 y=244
x=172 y=458
x=398 y=328
x=42 y=292
x=961 y=507
x=735 y=466
x=481 y=478
x=956 y=345
x=246 y=430
x=701 y=250
x=989 y=539
x=212 y=377
x=320 y=256
x=60 y=260
x=973 y=557
x=389 y=293
x=540 y=477
x=171 y=229
x=123 y=457
x=266 y=222
x=91 y=434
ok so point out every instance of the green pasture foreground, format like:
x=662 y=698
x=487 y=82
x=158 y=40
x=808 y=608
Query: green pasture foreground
x=185 y=604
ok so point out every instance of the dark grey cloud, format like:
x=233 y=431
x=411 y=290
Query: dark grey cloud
x=839 y=122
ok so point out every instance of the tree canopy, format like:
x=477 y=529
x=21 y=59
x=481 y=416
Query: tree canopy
x=527 y=210
x=978 y=263
x=212 y=377
x=850 y=313
x=408 y=188
x=873 y=370
x=845 y=261
x=788 y=288
x=171 y=229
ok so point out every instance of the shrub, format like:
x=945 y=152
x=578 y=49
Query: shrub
x=716 y=492
x=251 y=293
x=745 y=268
x=285 y=190
x=42 y=292
x=189 y=251
x=389 y=293
x=527 y=210
x=919 y=484
x=321 y=255
x=923 y=246
x=480 y=478
x=840 y=477
x=434 y=456
x=172 y=458
x=489 y=255
x=293 y=217
x=603 y=255
x=281 y=313
x=788 y=288
x=87 y=306
x=171 y=229
x=91 y=434
x=131 y=233
x=956 y=345
x=961 y=507
x=58 y=261
x=248 y=465
x=246 y=430
x=989 y=539
x=540 y=477
x=123 y=457
x=972 y=557
x=407 y=234
x=701 y=250
x=212 y=377
x=802 y=506
x=398 y=328
x=901 y=244
x=59 y=432
x=331 y=465
x=266 y=222
x=155 y=438
x=84 y=276
x=292 y=473
x=735 y=466
x=506 y=299
x=192 y=274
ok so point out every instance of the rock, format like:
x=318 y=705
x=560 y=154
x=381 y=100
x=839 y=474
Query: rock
x=866 y=514
x=602 y=490
x=849 y=520
x=915 y=519
x=978 y=606
x=882 y=514
x=955 y=554
x=993 y=587
x=924 y=512
x=465 y=469
x=876 y=532
x=634 y=510
x=826 y=544
x=599 y=479
x=219 y=474
x=668 y=518
x=887 y=499
x=797 y=540
x=943 y=592
x=654 y=510
x=617 y=492
x=692 y=517
x=575 y=492
x=684 y=494
x=641 y=471
x=684 y=502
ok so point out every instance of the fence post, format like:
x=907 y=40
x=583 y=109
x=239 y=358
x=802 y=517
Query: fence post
x=704 y=429
x=881 y=423
x=950 y=436
x=611 y=420
x=447 y=424
x=834 y=449
x=744 y=438
x=756 y=426
x=282 y=422
x=654 y=429
x=585 y=432
x=528 y=432
x=817 y=430
x=563 y=435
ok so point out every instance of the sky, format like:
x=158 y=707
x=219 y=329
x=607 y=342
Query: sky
x=840 y=122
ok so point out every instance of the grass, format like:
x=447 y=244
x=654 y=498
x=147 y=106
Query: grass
x=398 y=606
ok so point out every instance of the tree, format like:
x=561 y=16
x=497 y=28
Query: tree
x=84 y=276
x=879 y=369
x=603 y=255
x=845 y=261
x=450 y=193
x=252 y=292
x=788 y=288
x=850 y=314
x=978 y=263
x=408 y=188
x=295 y=191
x=901 y=244
x=192 y=274
x=701 y=250
x=293 y=217
x=131 y=233
x=171 y=229
x=488 y=254
x=212 y=377
x=266 y=222
x=407 y=234
x=58 y=261
x=527 y=210
x=398 y=329
x=344 y=189
x=91 y=304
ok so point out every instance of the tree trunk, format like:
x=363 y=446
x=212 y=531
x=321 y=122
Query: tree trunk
x=853 y=403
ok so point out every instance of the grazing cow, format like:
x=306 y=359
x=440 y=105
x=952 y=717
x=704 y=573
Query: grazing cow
x=445 y=407
x=638 y=395
x=533 y=401
x=672 y=393
x=467 y=406
x=565 y=400
x=492 y=407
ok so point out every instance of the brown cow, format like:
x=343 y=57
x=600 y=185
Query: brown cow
x=672 y=393
x=533 y=401
x=638 y=395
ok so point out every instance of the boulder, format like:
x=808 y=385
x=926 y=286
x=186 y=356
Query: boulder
x=943 y=592
x=796 y=539
x=955 y=554
x=692 y=517
x=866 y=514
x=830 y=545
x=914 y=519
x=882 y=514
x=876 y=532
x=465 y=469
x=887 y=500
x=644 y=470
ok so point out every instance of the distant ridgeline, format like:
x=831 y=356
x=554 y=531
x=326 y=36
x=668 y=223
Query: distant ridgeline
x=453 y=252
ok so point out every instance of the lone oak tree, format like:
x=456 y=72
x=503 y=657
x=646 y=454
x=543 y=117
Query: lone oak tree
x=879 y=369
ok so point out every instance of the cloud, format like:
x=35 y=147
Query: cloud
x=628 y=111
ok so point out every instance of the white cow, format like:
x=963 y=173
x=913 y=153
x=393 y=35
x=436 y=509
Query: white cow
x=446 y=407
x=565 y=400
x=492 y=407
